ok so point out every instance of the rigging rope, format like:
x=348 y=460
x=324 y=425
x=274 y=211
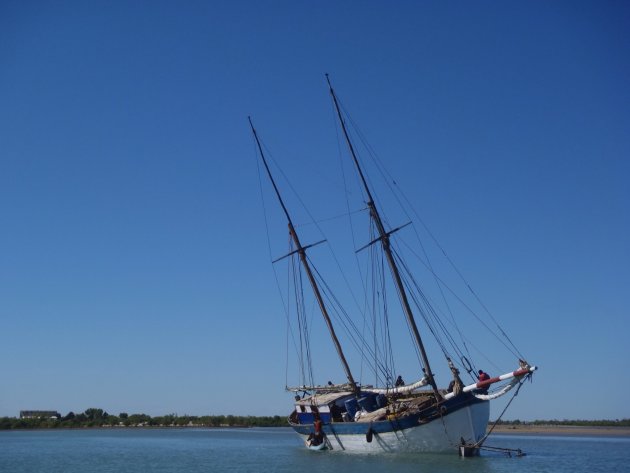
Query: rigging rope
x=348 y=324
x=399 y=194
x=469 y=309
x=521 y=381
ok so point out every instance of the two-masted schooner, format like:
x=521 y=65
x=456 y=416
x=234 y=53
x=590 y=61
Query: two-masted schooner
x=394 y=417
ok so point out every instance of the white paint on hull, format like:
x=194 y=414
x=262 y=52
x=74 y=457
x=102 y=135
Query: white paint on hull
x=441 y=435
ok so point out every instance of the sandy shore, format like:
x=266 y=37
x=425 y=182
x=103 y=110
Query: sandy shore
x=562 y=430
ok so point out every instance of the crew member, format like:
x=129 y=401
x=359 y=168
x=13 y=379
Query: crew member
x=318 y=437
x=483 y=376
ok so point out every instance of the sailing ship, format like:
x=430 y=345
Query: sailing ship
x=394 y=416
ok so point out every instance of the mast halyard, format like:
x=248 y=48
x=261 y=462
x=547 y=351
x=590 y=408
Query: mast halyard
x=301 y=250
x=384 y=238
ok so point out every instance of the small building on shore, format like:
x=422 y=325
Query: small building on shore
x=39 y=415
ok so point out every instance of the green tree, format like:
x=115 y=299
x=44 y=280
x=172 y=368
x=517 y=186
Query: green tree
x=95 y=414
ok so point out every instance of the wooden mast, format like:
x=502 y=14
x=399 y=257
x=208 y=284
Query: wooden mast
x=301 y=251
x=384 y=238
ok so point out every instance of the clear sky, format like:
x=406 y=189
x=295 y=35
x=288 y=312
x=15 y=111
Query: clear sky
x=135 y=273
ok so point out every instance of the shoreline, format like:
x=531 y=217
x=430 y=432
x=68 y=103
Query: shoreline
x=563 y=430
x=523 y=429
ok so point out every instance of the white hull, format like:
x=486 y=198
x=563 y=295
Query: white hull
x=441 y=435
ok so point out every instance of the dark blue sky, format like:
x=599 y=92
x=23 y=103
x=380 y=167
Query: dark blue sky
x=134 y=268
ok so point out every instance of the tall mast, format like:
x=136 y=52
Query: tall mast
x=301 y=251
x=384 y=238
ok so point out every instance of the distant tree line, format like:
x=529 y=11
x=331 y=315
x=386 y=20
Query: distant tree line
x=94 y=417
x=574 y=423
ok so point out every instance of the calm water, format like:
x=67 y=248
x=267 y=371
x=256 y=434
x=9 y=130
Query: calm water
x=279 y=450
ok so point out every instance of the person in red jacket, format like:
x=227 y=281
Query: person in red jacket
x=316 y=438
x=483 y=376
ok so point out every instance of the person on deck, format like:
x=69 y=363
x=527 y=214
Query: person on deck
x=399 y=381
x=483 y=376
